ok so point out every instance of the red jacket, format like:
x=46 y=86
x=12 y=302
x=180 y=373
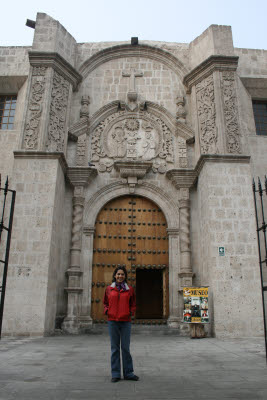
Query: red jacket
x=119 y=305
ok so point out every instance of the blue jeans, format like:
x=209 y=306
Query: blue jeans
x=120 y=333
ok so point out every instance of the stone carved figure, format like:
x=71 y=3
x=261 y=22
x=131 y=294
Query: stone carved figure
x=58 y=113
x=149 y=144
x=119 y=138
x=230 y=112
x=135 y=136
x=132 y=139
x=35 y=108
x=207 y=116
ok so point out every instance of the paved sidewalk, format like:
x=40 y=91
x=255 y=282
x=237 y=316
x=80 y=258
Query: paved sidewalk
x=170 y=367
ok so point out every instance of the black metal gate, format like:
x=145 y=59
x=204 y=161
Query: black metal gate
x=262 y=242
x=7 y=201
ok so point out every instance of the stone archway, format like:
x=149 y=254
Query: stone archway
x=131 y=231
x=92 y=208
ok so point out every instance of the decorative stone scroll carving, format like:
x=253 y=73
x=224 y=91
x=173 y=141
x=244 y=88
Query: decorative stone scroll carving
x=31 y=136
x=132 y=136
x=230 y=112
x=207 y=116
x=58 y=113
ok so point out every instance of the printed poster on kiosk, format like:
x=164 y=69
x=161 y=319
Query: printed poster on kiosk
x=196 y=305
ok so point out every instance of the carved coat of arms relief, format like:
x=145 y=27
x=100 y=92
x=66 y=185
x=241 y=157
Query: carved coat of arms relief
x=132 y=136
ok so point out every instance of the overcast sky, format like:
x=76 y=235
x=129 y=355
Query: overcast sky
x=118 y=20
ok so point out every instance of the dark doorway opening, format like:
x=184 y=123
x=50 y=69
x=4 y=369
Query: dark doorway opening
x=149 y=294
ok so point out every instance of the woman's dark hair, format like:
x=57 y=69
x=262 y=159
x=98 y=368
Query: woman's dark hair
x=116 y=270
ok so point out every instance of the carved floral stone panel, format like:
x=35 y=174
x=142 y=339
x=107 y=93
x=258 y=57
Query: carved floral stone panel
x=207 y=116
x=31 y=135
x=132 y=136
x=230 y=112
x=58 y=113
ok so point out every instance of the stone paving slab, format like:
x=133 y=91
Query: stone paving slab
x=170 y=367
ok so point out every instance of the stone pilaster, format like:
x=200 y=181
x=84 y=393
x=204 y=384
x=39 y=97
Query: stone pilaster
x=174 y=309
x=79 y=178
x=51 y=81
x=85 y=319
x=212 y=86
x=183 y=179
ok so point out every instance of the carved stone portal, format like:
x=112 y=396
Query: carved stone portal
x=134 y=137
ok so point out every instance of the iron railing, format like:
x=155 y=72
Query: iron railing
x=262 y=241
x=5 y=226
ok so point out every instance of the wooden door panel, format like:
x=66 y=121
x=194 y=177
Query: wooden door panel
x=130 y=231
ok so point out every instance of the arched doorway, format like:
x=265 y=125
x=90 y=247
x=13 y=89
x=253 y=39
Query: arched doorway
x=132 y=231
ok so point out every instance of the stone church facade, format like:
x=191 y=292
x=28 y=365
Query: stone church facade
x=136 y=154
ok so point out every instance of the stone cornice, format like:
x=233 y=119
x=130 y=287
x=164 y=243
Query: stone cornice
x=127 y=50
x=137 y=169
x=186 y=178
x=220 y=158
x=78 y=129
x=182 y=178
x=213 y=63
x=33 y=154
x=55 y=61
x=80 y=176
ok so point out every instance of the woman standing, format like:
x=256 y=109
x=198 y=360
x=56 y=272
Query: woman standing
x=119 y=305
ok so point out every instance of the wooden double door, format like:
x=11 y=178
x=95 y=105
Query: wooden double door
x=131 y=231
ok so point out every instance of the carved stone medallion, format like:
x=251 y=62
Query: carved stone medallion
x=132 y=136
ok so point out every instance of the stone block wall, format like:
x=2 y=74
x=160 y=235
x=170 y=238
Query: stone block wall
x=106 y=83
x=14 y=69
x=14 y=61
x=55 y=273
x=252 y=62
x=226 y=210
x=30 y=297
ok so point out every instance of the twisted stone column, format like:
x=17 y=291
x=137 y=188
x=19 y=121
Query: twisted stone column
x=185 y=273
x=184 y=208
x=76 y=233
x=79 y=177
x=74 y=272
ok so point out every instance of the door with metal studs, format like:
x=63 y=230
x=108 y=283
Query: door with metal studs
x=131 y=231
